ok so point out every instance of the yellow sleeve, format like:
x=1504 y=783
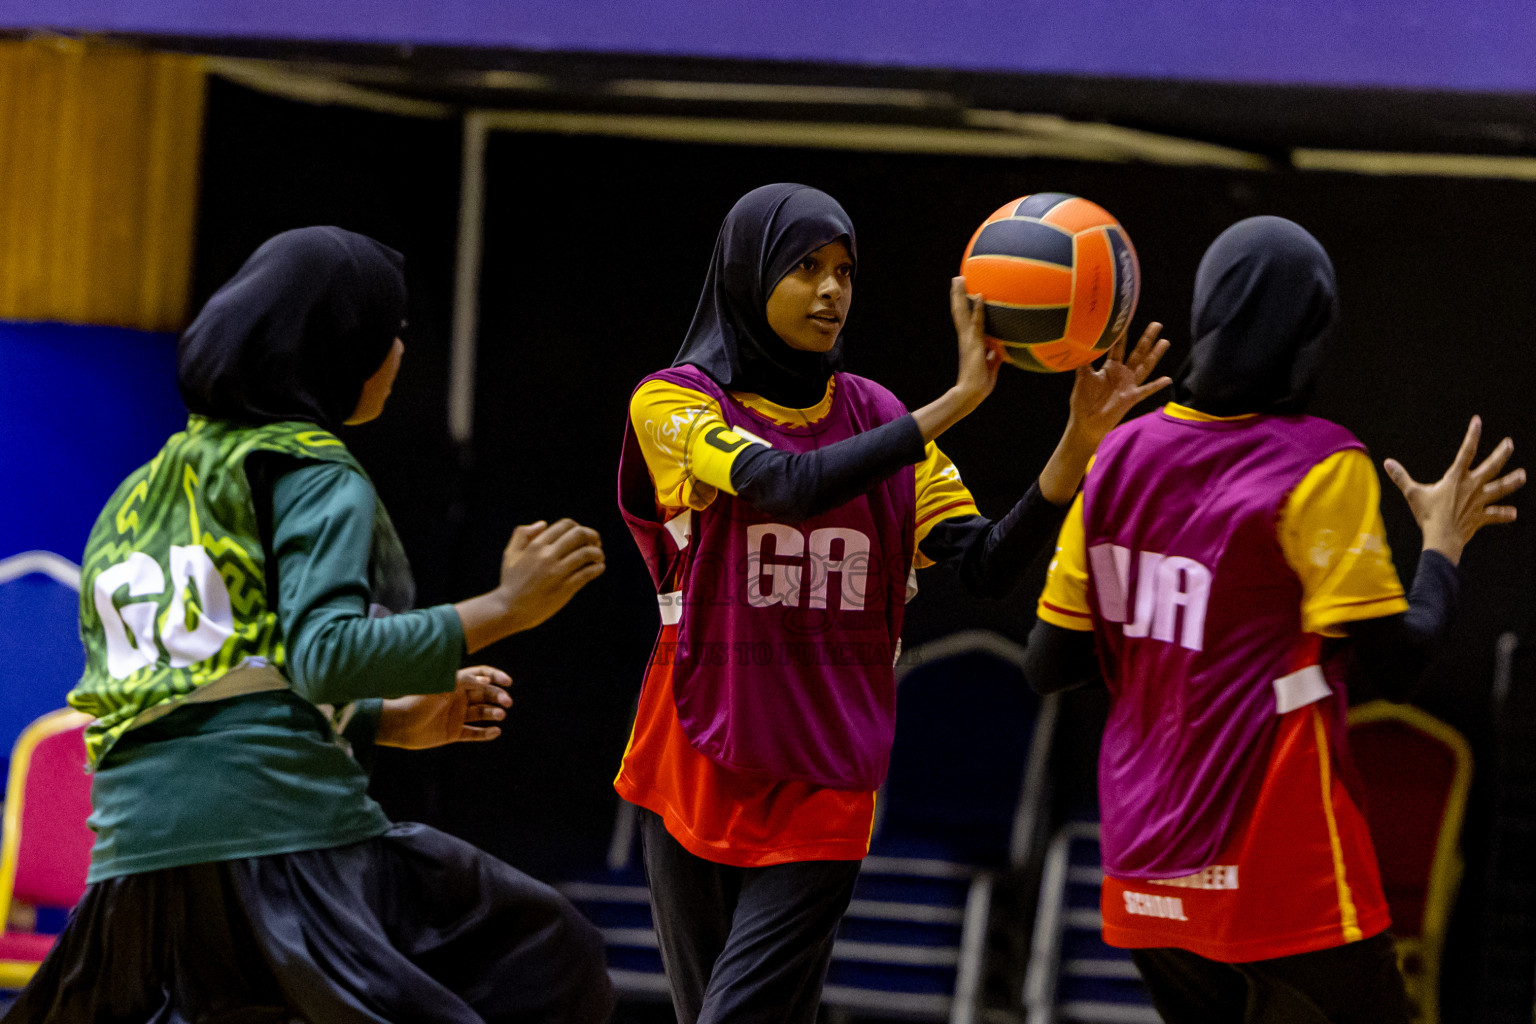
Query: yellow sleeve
x=687 y=445
x=1332 y=534
x=1064 y=601
x=940 y=495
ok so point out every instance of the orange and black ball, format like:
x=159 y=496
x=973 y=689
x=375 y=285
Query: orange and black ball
x=1060 y=280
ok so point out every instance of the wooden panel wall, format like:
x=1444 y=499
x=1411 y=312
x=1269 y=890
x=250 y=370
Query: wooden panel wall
x=99 y=158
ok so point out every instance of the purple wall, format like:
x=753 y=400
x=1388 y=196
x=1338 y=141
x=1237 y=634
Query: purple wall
x=1482 y=45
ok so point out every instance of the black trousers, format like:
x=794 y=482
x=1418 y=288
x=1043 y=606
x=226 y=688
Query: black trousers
x=413 y=926
x=1357 y=983
x=743 y=944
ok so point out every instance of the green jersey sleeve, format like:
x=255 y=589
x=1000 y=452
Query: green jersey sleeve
x=322 y=536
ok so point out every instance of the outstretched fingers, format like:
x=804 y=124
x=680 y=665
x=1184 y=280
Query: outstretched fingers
x=1148 y=351
x=964 y=307
x=1398 y=475
x=1144 y=358
x=1495 y=514
x=1152 y=387
x=1116 y=352
x=959 y=302
x=1468 y=447
x=1504 y=486
x=1489 y=467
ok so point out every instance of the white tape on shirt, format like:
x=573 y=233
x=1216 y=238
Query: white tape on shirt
x=671 y=605
x=1300 y=688
x=681 y=528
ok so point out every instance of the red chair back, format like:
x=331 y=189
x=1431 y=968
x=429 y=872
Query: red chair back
x=1416 y=771
x=47 y=847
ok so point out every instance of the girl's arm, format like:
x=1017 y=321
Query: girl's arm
x=1100 y=399
x=322 y=537
x=1392 y=651
x=542 y=568
x=794 y=487
x=466 y=714
x=1057 y=659
x=979 y=364
x=991 y=557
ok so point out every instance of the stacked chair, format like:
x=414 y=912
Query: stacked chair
x=1073 y=975
x=964 y=805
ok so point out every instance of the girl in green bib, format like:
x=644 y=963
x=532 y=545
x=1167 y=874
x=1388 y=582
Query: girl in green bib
x=244 y=607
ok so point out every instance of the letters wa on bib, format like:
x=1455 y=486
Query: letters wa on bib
x=1218 y=549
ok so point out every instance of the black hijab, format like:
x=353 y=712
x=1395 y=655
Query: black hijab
x=767 y=232
x=296 y=332
x=1265 y=305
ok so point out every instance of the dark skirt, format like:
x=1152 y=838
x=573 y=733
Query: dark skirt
x=414 y=926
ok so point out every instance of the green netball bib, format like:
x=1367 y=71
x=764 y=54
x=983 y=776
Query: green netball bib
x=173 y=595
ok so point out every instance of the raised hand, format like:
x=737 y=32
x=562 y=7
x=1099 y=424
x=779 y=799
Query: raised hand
x=542 y=568
x=979 y=362
x=1453 y=508
x=1102 y=397
x=458 y=716
x=1100 y=400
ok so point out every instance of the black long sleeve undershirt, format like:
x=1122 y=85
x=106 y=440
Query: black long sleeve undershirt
x=792 y=487
x=990 y=557
x=1390 y=652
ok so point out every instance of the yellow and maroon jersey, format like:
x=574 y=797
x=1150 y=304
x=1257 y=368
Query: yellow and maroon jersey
x=715 y=813
x=1296 y=870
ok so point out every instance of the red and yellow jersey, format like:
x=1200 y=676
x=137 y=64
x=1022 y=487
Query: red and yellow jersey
x=1296 y=871
x=724 y=816
x=1298 y=874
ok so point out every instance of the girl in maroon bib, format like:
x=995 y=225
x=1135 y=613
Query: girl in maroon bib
x=1227 y=612
x=779 y=504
